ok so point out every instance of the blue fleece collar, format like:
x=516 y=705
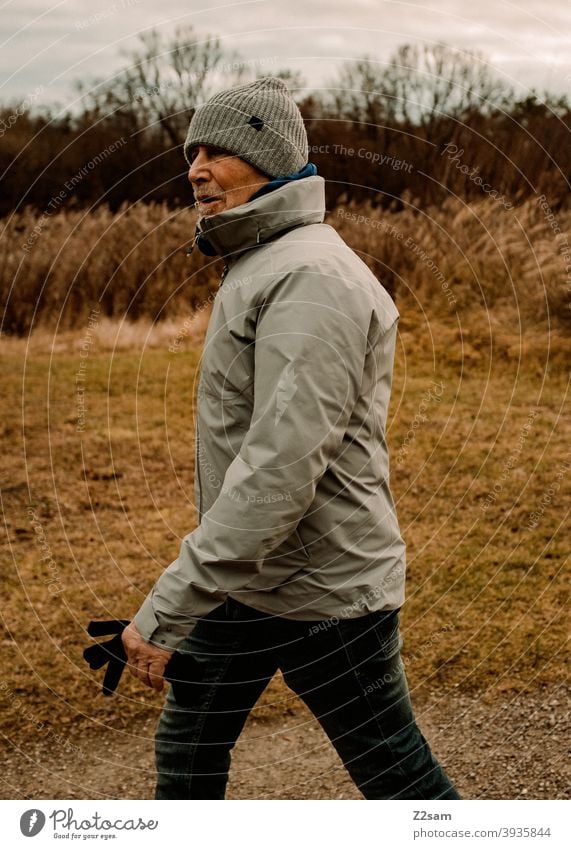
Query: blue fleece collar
x=307 y=171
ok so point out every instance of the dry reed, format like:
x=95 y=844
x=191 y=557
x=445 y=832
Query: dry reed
x=514 y=266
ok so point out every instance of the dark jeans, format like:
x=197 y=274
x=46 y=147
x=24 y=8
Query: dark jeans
x=348 y=672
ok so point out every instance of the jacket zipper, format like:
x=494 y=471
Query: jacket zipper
x=197 y=470
x=197 y=464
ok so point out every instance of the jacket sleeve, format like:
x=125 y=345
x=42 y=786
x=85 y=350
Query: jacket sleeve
x=310 y=347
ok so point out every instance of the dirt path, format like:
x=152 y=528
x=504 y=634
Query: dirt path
x=518 y=748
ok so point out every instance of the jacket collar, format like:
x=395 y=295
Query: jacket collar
x=233 y=231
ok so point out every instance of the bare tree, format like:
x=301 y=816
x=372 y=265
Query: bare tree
x=420 y=84
x=167 y=77
x=359 y=94
x=430 y=81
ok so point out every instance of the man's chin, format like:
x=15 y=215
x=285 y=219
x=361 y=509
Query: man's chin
x=210 y=210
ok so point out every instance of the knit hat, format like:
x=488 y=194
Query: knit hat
x=259 y=122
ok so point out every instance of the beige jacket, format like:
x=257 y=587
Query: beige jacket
x=295 y=512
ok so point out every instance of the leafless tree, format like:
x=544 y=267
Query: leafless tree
x=425 y=82
x=359 y=94
x=166 y=78
x=420 y=83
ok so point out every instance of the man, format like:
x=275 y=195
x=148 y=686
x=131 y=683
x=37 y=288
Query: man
x=297 y=562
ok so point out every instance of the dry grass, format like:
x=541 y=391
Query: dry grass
x=514 y=265
x=511 y=264
x=54 y=270
x=486 y=596
x=486 y=592
x=105 y=334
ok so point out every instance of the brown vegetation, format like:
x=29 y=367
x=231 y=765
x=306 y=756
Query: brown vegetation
x=57 y=268
x=377 y=130
x=98 y=459
x=510 y=266
x=103 y=322
x=99 y=419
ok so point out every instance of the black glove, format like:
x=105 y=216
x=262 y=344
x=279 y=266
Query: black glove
x=111 y=652
x=182 y=670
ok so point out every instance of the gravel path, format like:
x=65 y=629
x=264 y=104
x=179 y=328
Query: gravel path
x=517 y=748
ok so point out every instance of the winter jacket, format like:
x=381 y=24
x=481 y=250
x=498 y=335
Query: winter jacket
x=292 y=490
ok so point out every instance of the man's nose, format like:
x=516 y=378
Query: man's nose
x=198 y=170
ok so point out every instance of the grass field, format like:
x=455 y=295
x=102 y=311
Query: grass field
x=98 y=466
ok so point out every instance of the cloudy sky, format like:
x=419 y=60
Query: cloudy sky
x=47 y=45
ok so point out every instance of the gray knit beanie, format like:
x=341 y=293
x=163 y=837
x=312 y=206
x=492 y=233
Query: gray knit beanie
x=259 y=122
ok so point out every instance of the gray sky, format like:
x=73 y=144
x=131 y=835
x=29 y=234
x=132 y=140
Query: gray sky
x=49 y=44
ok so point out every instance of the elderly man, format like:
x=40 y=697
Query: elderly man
x=297 y=563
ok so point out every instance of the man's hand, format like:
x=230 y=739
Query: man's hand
x=145 y=661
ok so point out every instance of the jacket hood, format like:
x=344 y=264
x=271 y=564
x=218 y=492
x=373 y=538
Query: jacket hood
x=233 y=231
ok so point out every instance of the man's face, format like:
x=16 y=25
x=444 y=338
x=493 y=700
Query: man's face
x=221 y=180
